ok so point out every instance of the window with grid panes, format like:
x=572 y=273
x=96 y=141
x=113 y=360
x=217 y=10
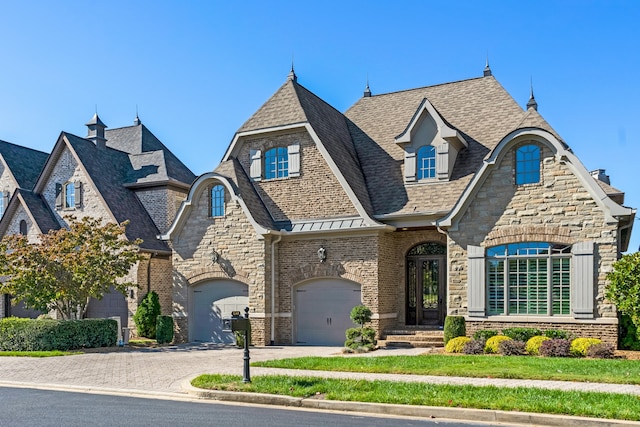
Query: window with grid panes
x=530 y=278
x=276 y=163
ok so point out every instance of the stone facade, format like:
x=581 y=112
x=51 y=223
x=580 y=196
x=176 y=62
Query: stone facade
x=162 y=203
x=559 y=209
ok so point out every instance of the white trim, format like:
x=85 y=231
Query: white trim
x=444 y=131
x=384 y=316
x=202 y=182
x=612 y=210
x=265 y=315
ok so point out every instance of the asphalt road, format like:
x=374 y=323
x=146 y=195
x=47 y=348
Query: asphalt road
x=44 y=408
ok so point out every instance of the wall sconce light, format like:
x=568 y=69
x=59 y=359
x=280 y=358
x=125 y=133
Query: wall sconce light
x=322 y=254
x=215 y=256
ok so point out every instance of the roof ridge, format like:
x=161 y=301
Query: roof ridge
x=431 y=86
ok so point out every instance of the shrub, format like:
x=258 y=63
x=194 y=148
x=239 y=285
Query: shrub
x=454 y=326
x=521 y=334
x=492 y=344
x=456 y=345
x=579 y=346
x=511 y=348
x=360 y=315
x=556 y=334
x=555 y=348
x=147 y=314
x=628 y=334
x=533 y=344
x=473 y=346
x=164 y=329
x=484 y=334
x=601 y=351
x=46 y=334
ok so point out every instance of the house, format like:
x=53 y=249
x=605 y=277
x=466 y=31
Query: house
x=19 y=168
x=123 y=174
x=443 y=200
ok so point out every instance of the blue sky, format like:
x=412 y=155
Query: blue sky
x=196 y=70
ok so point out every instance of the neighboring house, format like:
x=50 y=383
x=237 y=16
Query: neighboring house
x=123 y=174
x=443 y=200
x=19 y=169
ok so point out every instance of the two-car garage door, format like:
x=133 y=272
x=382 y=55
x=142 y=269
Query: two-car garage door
x=210 y=303
x=322 y=308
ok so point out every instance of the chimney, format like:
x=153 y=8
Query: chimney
x=600 y=175
x=96 y=131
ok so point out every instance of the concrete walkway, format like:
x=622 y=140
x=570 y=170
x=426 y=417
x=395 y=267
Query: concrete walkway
x=165 y=371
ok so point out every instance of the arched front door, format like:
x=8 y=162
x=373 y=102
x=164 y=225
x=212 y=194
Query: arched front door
x=426 y=284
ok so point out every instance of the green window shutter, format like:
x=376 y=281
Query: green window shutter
x=582 y=280
x=476 y=299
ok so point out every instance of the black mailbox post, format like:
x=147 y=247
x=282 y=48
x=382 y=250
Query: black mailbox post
x=240 y=324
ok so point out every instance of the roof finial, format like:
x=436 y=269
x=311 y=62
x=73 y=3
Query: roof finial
x=487 y=69
x=367 y=90
x=136 y=121
x=292 y=74
x=532 y=100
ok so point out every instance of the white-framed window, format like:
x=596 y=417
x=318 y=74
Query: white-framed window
x=277 y=163
x=426 y=162
x=217 y=201
x=528 y=164
x=69 y=195
x=532 y=278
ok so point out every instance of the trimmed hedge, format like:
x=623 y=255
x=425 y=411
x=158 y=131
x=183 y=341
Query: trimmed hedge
x=580 y=346
x=492 y=344
x=45 y=334
x=534 y=343
x=456 y=345
x=521 y=334
x=164 y=329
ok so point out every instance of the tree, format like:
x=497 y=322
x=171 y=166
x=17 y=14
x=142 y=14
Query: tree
x=67 y=267
x=624 y=286
x=360 y=338
x=147 y=314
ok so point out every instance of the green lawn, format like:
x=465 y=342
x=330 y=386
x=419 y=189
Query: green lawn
x=586 y=404
x=37 y=353
x=617 y=371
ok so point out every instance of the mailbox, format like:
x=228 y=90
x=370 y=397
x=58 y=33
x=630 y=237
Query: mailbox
x=235 y=323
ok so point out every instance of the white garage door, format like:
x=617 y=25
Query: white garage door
x=212 y=302
x=322 y=309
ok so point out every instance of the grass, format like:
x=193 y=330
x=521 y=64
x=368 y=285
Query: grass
x=586 y=404
x=52 y=353
x=615 y=371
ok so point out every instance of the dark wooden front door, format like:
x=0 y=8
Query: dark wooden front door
x=426 y=286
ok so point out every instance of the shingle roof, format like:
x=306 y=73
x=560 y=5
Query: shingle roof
x=480 y=109
x=25 y=164
x=109 y=170
x=41 y=212
x=147 y=151
x=233 y=170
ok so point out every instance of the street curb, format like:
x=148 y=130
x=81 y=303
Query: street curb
x=432 y=412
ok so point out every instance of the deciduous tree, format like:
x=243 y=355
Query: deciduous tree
x=624 y=286
x=65 y=268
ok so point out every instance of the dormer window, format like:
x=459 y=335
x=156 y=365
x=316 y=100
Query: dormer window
x=430 y=146
x=69 y=195
x=426 y=162
x=528 y=164
x=278 y=163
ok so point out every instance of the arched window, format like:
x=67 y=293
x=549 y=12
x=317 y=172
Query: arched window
x=426 y=162
x=23 y=227
x=276 y=163
x=69 y=195
x=217 y=200
x=527 y=164
x=532 y=278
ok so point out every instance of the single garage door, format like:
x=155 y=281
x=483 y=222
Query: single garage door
x=212 y=302
x=113 y=303
x=322 y=310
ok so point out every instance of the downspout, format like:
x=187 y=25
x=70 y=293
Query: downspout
x=273 y=289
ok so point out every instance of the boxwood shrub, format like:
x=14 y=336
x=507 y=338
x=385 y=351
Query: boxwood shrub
x=493 y=343
x=484 y=334
x=164 y=329
x=454 y=326
x=580 y=346
x=534 y=343
x=46 y=334
x=456 y=345
x=521 y=334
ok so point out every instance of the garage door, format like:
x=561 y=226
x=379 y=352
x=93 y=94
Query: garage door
x=113 y=303
x=322 y=309
x=212 y=302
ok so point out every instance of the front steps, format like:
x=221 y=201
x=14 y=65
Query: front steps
x=412 y=338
